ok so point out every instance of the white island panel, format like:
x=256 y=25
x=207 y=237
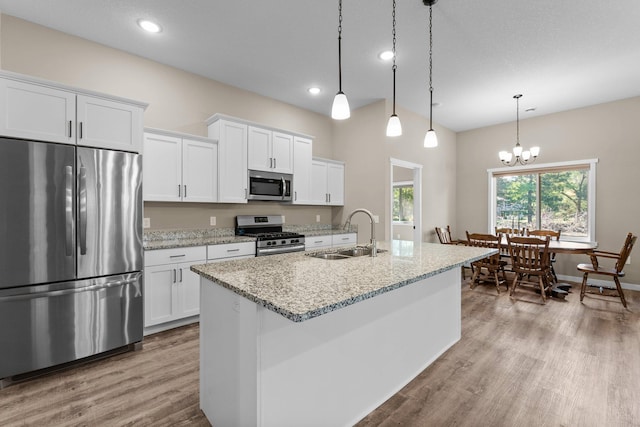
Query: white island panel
x=259 y=368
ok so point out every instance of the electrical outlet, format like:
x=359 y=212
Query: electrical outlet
x=317 y=218
x=146 y=223
x=376 y=219
x=212 y=220
x=283 y=221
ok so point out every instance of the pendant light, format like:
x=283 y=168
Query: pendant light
x=430 y=139
x=394 y=127
x=340 y=109
x=519 y=156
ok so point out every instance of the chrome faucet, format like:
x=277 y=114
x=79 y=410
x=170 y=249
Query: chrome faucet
x=347 y=225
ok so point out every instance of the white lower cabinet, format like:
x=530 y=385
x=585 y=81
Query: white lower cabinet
x=231 y=250
x=171 y=289
x=330 y=240
x=317 y=242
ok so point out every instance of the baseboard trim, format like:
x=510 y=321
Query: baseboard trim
x=170 y=325
x=601 y=282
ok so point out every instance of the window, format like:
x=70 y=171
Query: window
x=559 y=196
x=403 y=202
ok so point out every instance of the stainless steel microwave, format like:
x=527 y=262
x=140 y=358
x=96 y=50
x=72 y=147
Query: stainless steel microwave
x=269 y=186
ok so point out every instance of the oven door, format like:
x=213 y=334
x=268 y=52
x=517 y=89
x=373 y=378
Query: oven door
x=269 y=186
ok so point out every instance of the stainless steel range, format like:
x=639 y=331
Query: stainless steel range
x=270 y=239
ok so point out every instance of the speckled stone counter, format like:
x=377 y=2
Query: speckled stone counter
x=292 y=340
x=168 y=239
x=300 y=287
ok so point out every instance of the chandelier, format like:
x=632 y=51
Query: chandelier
x=519 y=156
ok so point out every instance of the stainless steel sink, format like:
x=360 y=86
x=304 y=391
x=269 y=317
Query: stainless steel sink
x=330 y=256
x=346 y=253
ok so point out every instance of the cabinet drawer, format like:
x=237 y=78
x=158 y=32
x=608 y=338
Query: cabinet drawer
x=175 y=255
x=317 y=242
x=344 y=239
x=230 y=250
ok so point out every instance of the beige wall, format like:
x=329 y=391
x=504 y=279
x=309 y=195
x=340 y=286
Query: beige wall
x=178 y=101
x=609 y=132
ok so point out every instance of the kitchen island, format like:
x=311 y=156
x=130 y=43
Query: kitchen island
x=291 y=340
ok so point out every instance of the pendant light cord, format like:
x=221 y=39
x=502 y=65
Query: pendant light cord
x=339 y=46
x=394 y=56
x=430 y=68
x=517 y=97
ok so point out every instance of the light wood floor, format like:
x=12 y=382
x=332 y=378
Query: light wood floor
x=519 y=363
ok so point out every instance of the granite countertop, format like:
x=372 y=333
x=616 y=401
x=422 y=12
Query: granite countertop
x=181 y=238
x=298 y=286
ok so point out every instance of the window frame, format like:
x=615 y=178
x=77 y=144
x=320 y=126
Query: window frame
x=402 y=184
x=589 y=164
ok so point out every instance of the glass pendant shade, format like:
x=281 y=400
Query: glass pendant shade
x=430 y=139
x=535 y=151
x=340 y=109
x=394 y=127
x=517 y=150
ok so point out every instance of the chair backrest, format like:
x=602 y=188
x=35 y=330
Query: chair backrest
x=486 y=241
x=529 y=254
x=510 y=231
x=543 y=233
x=625 y=251
x=444 y=235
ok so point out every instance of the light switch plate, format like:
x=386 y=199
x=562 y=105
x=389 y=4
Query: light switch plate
x=376 y=219
x=317 y=218
x=212 y=220
x=283 y=221
x=146 y=223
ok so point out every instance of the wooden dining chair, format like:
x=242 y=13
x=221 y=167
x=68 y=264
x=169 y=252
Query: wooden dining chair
x=530 y=257
x=615 y=272
x=444 y=235
x=553 y=235
x=504 y=252
x=493 y=264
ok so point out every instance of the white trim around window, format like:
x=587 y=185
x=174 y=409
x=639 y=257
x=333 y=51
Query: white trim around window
x=591 y=163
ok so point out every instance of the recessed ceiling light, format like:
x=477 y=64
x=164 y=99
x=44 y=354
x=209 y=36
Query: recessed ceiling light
x=149 y=26
x=387 y=55
x=314 y=90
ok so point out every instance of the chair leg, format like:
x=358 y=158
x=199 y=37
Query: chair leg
x=514 y=284
x=624 y=301
x=542 y=289
x=476 y=271
x=497 y=279
x=583 y=288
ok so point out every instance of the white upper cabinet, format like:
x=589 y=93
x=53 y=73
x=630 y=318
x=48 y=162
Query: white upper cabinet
x=302 y=156
x=327 y=182
x=179 y=168
x=232 y=152
x=270 y=151
x=108 y=124
x=43 y=111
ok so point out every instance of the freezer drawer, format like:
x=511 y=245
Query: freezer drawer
x=43 y=326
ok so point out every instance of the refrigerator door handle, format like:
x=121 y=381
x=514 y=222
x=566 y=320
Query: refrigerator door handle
x=68 y=210
x=83 y=210
x=98 y=286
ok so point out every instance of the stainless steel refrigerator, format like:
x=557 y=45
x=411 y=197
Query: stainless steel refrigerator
x=70 y=253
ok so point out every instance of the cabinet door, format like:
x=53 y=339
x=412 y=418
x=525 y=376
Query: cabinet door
x=335 y=184
x=108 y=124
x=282 y=152
x=232 y=151
x=199 y=171
x=319 y=194
x=36 y=112
x=162 y=168
x=188 y=286
x=302 y=152
x=259 y=149
x=159 y=294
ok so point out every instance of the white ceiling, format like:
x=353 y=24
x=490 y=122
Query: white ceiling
x=560 y=54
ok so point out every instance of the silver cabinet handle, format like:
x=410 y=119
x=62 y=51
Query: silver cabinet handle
x=246 y=193
x=177 y=256
x=180 y=275
x=83 y=210
x=80 y=130
x=329 y=197
x=270 y=163
x=174 y=275
x=274 y=163
x=179 y=190
x=233 y=250
x=295 y=195
x=185 y=191
x=68 y=209
x=70 y=128
x=318 y=241
x=345 y=238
